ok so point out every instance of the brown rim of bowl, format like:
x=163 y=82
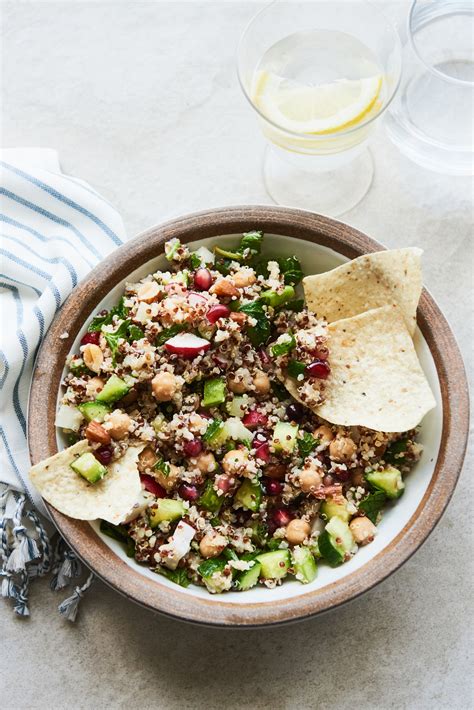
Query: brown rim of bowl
x=216 y=611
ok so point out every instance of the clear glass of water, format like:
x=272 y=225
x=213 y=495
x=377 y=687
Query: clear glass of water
x=319 y=75
x=432 y=119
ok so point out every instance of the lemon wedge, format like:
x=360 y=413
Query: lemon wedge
x=321 y=109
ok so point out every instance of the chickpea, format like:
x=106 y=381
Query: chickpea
x=212 y=544
x=310 y=478
x=148 y=291
x=244 y=277
x=261 y=382
x=297 y=531
x=146 y=459
x=276 y=471
x=118 y=424
x=93 y=357
x=324 y=434
x=164 y=386
x=235 y=461
x=94 y=386
x=363 y=530
x=236 y=385
x=342 y=448
x=168 y=481
x=206 y=462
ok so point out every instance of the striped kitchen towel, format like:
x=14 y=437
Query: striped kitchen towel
x=53 y=229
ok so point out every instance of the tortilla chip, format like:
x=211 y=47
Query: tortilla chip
x=111 y=499
x=370 y=281
x=376 y=380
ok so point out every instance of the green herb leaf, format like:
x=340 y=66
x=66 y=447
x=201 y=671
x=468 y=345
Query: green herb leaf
x=208 y=567
x=295 y=368
x=296 y=306
x=223 y=266
x=209 y=499
x=306 y=444
x=119 y=310
x=372 y=504
x=135 y=333
x=116 y=532
x=279 y=391
x=113 y=338
x=253 y=241
x=395 y=451
x=170 y=332
x=178 y=576
x=291 y=269
x=285 y=347
x=194 y=261
x=259 y=333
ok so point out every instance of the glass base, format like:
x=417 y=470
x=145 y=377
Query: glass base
x=329 y=192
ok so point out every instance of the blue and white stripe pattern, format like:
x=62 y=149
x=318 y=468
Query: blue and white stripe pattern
x=53 y=230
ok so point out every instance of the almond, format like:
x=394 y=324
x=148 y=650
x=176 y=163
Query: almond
x=96 y=432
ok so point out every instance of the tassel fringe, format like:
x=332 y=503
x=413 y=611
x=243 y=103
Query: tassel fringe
x=26 y=553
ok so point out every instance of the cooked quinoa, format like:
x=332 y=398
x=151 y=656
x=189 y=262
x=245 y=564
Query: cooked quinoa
x=242 y=485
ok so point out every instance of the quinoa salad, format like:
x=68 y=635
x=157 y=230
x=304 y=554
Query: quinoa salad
x=240 y=482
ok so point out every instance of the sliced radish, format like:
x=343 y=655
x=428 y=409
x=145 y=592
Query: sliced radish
x=187 y=345
x=197 y=299
x=152 y=486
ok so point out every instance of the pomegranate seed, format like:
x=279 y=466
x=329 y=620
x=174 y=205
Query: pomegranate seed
x=272 y=487
x=254 y=419
x=104 y=454
x=295 y=412
x=202 y=279
x=328 y=480
x=262 y=452
x=224 y=482
x=93 y=338
x=192 y=448
x=281 y=517
x=216 y=312
x=188 y=492
x=152 y=486
x=319 y=369
x=205 y=415
x=342 y=474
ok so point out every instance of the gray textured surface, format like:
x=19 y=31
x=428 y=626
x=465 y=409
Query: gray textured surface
x=141 y=99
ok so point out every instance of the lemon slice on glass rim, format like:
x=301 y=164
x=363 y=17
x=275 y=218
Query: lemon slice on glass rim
x=320 y=109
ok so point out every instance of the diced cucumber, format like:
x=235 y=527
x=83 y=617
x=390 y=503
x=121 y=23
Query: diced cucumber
x=158 y=422
x=214 y=392
x=284 y=345
x=237 y=431
x=304 y=564
x=238 y=406
x=165 y=509
x=89 y=467
x=249 y=578
x=249 y=495
x=389 y=481
x=114 y=389
x=275 y=299
x=215 y=566
x=259 y=532
x=336 y=541
x=284 y=437
x=216 y=434
x=335 y=507
x=274 y=564
x=94 y=411
x=209 y=499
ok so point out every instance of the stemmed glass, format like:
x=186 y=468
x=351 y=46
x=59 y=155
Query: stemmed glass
x=318 y=75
